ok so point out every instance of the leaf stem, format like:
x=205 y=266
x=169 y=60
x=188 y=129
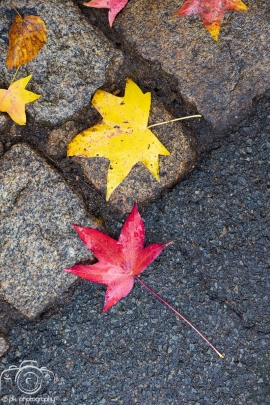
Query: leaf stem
x=176 y=119
x=178 y=313
x=15 y=74
x=15 y=9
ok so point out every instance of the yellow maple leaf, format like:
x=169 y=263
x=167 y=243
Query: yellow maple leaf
x=13 y=100
x=122 y=136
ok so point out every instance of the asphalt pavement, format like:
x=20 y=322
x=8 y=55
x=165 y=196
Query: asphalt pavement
x=216 y=273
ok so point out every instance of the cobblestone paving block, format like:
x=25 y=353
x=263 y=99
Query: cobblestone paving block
x=36 y=237
x=59 y=138
x=220 y=78
x=69 y=68
x=3 y=122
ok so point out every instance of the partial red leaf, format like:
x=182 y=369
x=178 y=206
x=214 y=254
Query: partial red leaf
x=103 y=246
x=114 y=6
x=116 y=291
x=119 y=261
x=211 y=12
x=131 y=238
x=98 y=273
x=147 y=256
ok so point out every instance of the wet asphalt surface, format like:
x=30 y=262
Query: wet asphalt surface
x=216 y=273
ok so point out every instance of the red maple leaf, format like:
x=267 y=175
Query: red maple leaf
x=119 y=261
x=122 y=260
x=114 y=6
x=211 y=12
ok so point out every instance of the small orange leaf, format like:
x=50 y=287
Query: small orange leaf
x=26 y=37
x=13 y=100
x=211 y=12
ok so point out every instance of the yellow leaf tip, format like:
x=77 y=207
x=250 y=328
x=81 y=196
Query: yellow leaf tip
x=213 y=29
x=110 y=189
x=214 y=35
x=241 y=6
x=221 y=355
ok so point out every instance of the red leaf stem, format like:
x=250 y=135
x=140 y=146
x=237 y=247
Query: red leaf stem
x=178 y=313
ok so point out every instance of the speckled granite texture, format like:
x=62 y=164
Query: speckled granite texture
x=4 y=346
x=36 y=237
x=69 y=68
x=220 y=78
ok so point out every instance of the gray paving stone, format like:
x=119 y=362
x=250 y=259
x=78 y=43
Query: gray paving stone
x=59 y=138
x=4 y=346
x=36 y=237
x=69 y=68
x=220 y=78
x=3 y=122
